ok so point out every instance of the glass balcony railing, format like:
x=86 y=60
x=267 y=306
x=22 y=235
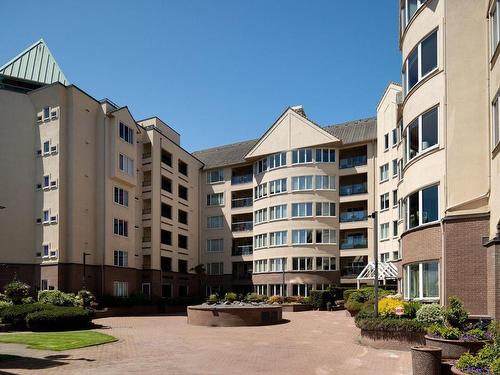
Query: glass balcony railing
x=242 y=226
x=347 y=217
x=352 y=271
x=354 y=243
x=243 y=250
x=352 y=162
x=242 y=179
x=353 y=189
x=242 y=202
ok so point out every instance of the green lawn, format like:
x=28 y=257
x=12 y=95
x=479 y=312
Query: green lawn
x=58 y=340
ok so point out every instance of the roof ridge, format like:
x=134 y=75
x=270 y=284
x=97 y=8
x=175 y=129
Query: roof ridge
x=225 y=146
x=365 y=119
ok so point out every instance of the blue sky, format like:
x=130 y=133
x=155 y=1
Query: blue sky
x=218 y=71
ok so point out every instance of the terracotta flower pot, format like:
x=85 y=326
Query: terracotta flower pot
x=426 y=360
x=453 y=349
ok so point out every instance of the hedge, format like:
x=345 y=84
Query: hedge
x=59 y=318
x=319 y=298
x=16 y=314
x=391 y=324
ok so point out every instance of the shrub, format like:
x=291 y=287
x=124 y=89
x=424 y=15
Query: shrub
x=213 y=298
x=387 y=306
x=486 y=361
x=56 y=298
x=431 y=313
x=347 y=293
x=16 y=291
x=494 y=330
x=254 y=297
x=390 y=324
x=84 y=298
x=59 y=318
x=4 y=304
x=448 y=333
x=231 y=296
x=455 y=314
x=3 y=298
x=276 y=299
x=304 y=300
x=319 y=298
x=16 y=314
x=411 y=309
x=475 y=334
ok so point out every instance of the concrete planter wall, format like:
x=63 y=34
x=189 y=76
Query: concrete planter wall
x=456 y=371
x=453 y=349
x=295 y=307
x=391 y=340
x=426 y=360
x=234 y=316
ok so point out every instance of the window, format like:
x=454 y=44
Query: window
x=166 y=211
x=409 y=9
x=394 y=198
x=422 y=207
x=277 y=265
x=261 y=166
x=421 y=61
x=166 y=157
x=277 y=290
x=278 y=238
x=166 y=264
x=302 y=236
x=46 y=113
x=166 y=237
x=277 y=186
x=182 y=266
x=45 y=250
x=121 y=196
x=260 y=191
x=166 y=184
x=120 y=258
x=215 y=268
x=325 y=155
x=45 y=284
x=302 y=183
x=302 y=156
x=46 y=147
x=182 y=167
x=384 y=257
x=384 y=231
x=302 y=264
x=215 y=222
x=384 y=201
x=166 y=290
x=394 y=168
x=326 y=236
x=126 y=133
x=120 y=227
x=183 y=217
x=260 y=265
x=183 y=192
x=216 y=199
x=215 y=176
x=326 y=264
x=215 y=245
x=386 y=141
x=302 y=209
x=395 y=228
x=278 y=212
x=146 y=289
x=325 y=182
x=496 y=122
x=494 y=27
x=120 y=288
x=277 y=160
x=422 y=280
x=126 y=165
x=325 y=209
x=182 y=241
x=260 y=241
x=46 y=181
x=384 y=172
x=46 y=216
x=301 y=290
x=261 y=289
x=260 y=216
x=394 y=137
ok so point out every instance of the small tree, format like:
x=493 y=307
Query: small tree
x=16 y=291
x=455 y=313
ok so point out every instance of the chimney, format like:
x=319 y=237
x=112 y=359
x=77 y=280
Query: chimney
x=300 y=110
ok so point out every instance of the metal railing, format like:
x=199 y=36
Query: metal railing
x=346 y=217
x=242 y=202
x=242 y=226
x=352 y=189
x=354 y=243
x=242 y=250
x=354 y=161
x=242 y=179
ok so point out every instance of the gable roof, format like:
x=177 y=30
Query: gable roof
x=358 y=131
x=36 y=63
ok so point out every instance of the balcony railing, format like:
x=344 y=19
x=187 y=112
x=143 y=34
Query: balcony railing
x=242 y=179
x=352 y=271
x=346 y=217
x=353 y=189
x=146 y=239
x=146 y=211
x=242 y=202
x=354 y=161
x=243 y=250
x=242 y=226
x=146 y=155
x=146 y=183
x=354 y=243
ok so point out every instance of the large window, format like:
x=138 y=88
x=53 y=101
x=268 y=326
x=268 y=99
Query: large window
x=260 y=216
x=384 y=231
x=384 y=172
x=126 y=133
x=325 y=182
x=260 y=191
x=126 y=165
x=215 y=222
x=420 y=62
x=422 y=133
x=326 y=264
x=166 y=237
x=260 y=241
x=496 y=122
x=277 y=160
x=120 y=196
x=260 y=166
x=120 y=258
x=302 y=183
x=302 y=264
x=301 y=290
x=277 y=186
x=384 y=201
x=494 y=26
x=260 y=265
x=302 y=156
x=325 y=155
x=215 y=268
x=120 y=227
x=278 y=212
x=215 y=245
x=423 y=207
x=326 y=236
x=303 y=209
x=277 y=265
x=216 y=175
x=409 y=9
x=325 y=209
x=422 y=280
x=278 y=238
x=216 y=199
x=302 y=236
x=120 y=288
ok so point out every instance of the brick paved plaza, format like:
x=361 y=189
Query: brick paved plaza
x=314 y=342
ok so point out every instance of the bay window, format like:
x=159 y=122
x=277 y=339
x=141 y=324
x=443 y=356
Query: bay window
x=260 y=241
x=422 y=133
x=278 y=238
x=278 y=212
x=260 y=265
x=302 y=209
x=277 y=186
x=302 y=183
x=422 y=280
x=494 y=27
x=420 y=62
x=215 y=176
x=302 y=156
x=302 y=264
x=325 y=182
x=408 y=10
x=302 y=236
x=325 y=264
x=325 y=209
x=325 y=155
x=277 y=160
x=326 y=236
x=277 y=265
x=423 y=207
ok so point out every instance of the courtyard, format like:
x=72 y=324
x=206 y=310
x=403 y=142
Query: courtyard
x=313 y=342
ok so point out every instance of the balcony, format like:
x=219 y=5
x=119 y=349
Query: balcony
x=352 y=216
x=354 y=243
x=242 y=226
x=243 y=179
x=242 y=250
x=353 y=189
x=354 y=161
x=242 y=202
x=352 y=271
x=351 y=267
x=241 y=175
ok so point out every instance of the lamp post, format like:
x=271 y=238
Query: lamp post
x=283 y=291
x=375 y=261
x=84 y=270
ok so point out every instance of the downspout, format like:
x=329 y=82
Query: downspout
x=444 y=115
x=104 y=205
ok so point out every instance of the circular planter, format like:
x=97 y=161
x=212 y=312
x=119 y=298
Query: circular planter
x=453 y=349
x=426 y=360
x=234 y=316
x=456 y=371
x=391 y=340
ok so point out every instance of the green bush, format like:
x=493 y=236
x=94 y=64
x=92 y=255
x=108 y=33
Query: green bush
x=347 y=293
x=390 y=324
x=455 y=314
x=275 y=299
x=16 y=291
x=4 y=304
x=254 y=297
x=486 y=361
x=212 y=298
x=16 y=314
x=230 y=296
x=411 y=309
x=56 y=298
x=319 y=298
x=59 y=318
x=431 y=313
x=448 y=333
x=84 y=298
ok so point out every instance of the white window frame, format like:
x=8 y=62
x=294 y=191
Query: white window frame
x=404 y=17
x=120 y=199
x=320 y=182
x=419 y=130
x=281 y=209
x=219 y=173
x=260 y=191
x=260 y=241
x=385 y=202
x=325 y=209
x=301 y=156
x=46 y=245
x=128 y=133
x=306 y=181
x=277 y=264
x=324 y=261
x=260 y=266
x=302 y=209
x=300 y=233
x=495 y=121
x=420 y=207
x=277 y=160
x=306 y=268
x=494 y=29
x=329 y=157
x=332 y=236
x=279 y=238
x=260 y=216
x=278 y=186
x=384 y=231
x=124 y=224
x=212 y=218
x=215 y=245
x=215 y=199
x=215 y=268
x=421 y=281
x=120 y=258
x=120 y=288
x=126 y=164
x=384 y=173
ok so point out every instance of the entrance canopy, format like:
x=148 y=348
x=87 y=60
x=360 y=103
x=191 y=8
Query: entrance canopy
x=386 y=271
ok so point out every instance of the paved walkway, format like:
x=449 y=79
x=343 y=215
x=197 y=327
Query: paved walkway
x=314 y=342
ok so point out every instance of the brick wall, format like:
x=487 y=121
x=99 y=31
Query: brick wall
x=421 y=244
x=493 y=280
